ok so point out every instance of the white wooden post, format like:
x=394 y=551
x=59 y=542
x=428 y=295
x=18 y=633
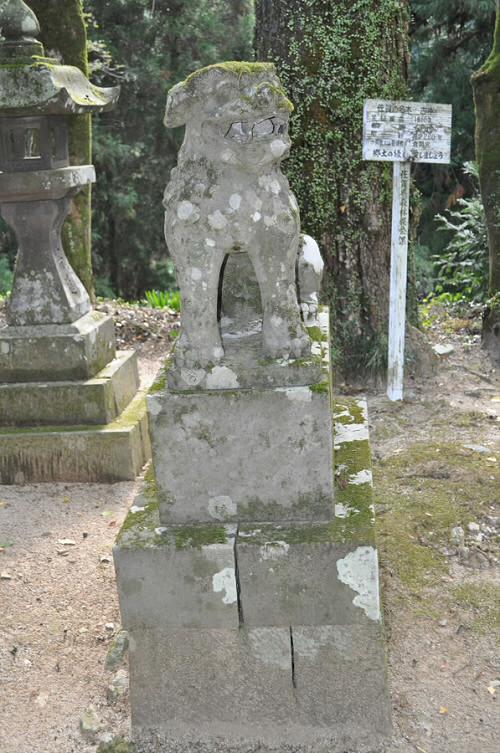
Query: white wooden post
x=403 y=132
x=399 y=266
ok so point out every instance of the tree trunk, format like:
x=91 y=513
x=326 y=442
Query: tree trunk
x=64 y=35
x=486 y=84
x=331 y=57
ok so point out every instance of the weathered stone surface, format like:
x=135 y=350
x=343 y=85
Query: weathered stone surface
x=340 y=679
x=114 y=452
x=243 y=366
x=201 y=689
x=228 y=195
x=288 y=577
x=46 y=290
x=55 y=352
x=211 y=682
x=98 y=400
x=318 y=574
x=253 y=454
x=310 y=267
x=175 y=578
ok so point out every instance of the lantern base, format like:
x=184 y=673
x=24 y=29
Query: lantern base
x=57 y=352
x=113 y=452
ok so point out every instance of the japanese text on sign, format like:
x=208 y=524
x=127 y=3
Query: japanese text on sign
x=406 y=131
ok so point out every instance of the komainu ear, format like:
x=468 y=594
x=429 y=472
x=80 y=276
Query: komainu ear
x=180 y=103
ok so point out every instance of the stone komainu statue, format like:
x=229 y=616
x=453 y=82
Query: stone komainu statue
x=228 y=195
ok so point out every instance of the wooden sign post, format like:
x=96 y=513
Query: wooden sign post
x=403 y=132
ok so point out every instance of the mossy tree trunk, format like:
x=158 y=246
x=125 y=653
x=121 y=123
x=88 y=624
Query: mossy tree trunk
x=486 y=83
x=64 y=35
x=331 y=57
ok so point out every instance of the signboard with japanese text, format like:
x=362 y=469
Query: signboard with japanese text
x=406 y=131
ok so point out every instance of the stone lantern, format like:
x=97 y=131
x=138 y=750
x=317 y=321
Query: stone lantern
x=36 y=180
x=53 y=337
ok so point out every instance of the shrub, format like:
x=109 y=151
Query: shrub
x=462 y=270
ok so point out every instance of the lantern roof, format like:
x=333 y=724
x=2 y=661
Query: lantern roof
x=32 y=84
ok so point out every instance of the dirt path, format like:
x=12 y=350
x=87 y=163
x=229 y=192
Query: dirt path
x=436 y=459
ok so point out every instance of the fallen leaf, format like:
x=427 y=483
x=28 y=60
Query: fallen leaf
x=107 y=513
x=443 y=710
x=66 y=500
x=491 y=690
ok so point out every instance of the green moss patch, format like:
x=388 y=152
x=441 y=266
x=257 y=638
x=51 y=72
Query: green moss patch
x=197 y=536
x=425 y=491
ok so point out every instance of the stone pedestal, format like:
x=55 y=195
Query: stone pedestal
x=267 y=633
x=70 y=408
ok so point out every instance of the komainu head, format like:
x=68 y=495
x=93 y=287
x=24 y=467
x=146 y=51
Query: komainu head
x=234 y=113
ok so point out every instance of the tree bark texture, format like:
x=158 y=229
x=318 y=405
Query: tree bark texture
x=331 y=57
x=486 y=84
x=64 y=36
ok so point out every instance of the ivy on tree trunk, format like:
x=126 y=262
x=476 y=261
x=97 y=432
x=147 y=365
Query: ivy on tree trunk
x=63 y=33
x=486 y=84
x=331 y=57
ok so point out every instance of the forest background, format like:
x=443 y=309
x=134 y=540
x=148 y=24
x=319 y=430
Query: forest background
x=146 y=46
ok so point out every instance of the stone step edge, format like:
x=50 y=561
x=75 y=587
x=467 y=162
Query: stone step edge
x=105 y=454
x=113 y=389
x=354 y=520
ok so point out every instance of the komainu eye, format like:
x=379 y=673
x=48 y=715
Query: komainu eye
x=263 y=128
x=240 y=132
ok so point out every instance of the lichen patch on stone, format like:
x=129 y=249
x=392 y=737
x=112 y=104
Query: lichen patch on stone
x=225 y=581
x=359 y=571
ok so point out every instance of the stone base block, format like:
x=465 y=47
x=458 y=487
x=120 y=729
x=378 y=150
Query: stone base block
x=56 y=352
x=112 y=452
x=183 y=577
x=320 y=690
x=98 y=400
x=253 y=455
x=304 y=576
x=245 y=366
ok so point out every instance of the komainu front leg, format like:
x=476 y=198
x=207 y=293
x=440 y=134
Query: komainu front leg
x=198 y=275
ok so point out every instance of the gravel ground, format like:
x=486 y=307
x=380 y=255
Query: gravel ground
x=59 y=610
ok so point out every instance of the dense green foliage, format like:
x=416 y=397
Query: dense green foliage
x=153 y=46
x=331 y=57
x=450 y=40
x=462 y=269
